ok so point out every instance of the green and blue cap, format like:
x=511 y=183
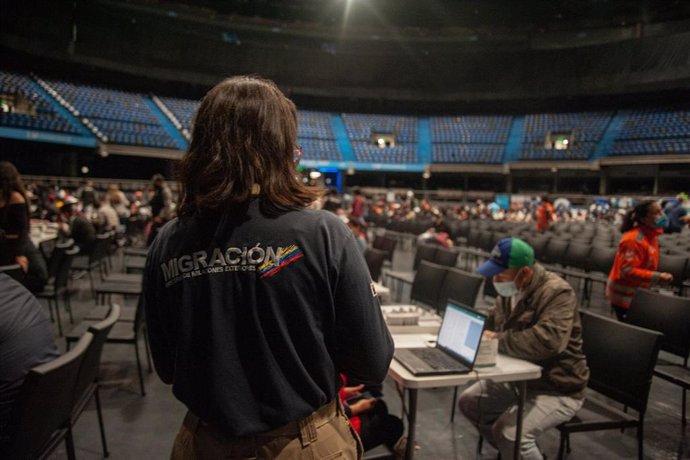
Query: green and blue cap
x=508 y=253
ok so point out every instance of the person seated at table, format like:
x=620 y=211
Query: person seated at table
x=107 y=218
x=369 y=416
x=536 y=319
x=76 y=226
x=26 y=340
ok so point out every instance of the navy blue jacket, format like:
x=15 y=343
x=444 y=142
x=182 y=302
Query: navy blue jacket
x=252 y=315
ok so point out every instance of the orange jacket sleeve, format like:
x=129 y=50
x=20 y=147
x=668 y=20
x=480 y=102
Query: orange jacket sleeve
x=631 y=255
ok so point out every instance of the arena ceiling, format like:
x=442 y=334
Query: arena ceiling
x=431 y=14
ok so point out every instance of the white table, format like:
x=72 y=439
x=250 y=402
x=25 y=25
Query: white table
x=507 y=369
x=41 y=232
x=42 y=237
x=428 y=323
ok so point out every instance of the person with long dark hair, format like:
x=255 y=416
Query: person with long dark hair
x=255 y=303
x=14 y=215
x=637 y=257
x=15 y=245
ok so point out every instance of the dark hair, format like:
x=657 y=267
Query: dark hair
x=10 y=181
x=635 y=215
x=245 y=133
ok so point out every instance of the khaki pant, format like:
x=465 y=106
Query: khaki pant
x=325 y=434
x=492 y=408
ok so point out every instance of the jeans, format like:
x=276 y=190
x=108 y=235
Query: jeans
x=492 y=408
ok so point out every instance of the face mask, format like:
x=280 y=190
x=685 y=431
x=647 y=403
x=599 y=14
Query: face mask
x=661 y=222
x=506 y=288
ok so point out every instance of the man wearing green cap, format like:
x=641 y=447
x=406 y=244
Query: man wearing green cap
x=535 y=319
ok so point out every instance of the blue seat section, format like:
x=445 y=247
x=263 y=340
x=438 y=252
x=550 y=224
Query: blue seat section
x=183 y=109
x=587 y=129
x=315 y=135
x=361 y=127
x=42 y=117
x=654 y=132
x=468 y=153
x=320 y=149
x=123 y=117
x=469 y=138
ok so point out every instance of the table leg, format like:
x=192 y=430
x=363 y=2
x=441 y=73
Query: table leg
x=522 y=396
x=411 y=423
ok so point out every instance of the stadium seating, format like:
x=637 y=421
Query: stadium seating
x=475 y=129
x=122 y=116
x=361 y=127
x=401 y=153
x=314 y=125
x=319 y=149
x=654 y=132
x=470 y=138
x=467 y=153
x=182 y=109
x=587 y=129
x=45 y=117
x=316 y=136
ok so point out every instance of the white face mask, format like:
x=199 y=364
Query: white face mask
x=506 y=288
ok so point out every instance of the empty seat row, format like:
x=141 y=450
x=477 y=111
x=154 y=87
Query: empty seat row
x=467 y=153
x=360 y=127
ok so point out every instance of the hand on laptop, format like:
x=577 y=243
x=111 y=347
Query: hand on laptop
x=489 y=335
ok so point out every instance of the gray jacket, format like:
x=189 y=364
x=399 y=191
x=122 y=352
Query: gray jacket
x=545 y=328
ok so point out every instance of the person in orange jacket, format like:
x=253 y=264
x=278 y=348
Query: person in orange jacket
x=637 y=258
x=545 y=215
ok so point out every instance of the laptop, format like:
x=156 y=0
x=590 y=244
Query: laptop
x=456 y=348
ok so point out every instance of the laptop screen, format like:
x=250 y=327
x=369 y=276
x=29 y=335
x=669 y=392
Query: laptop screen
x=461 y=332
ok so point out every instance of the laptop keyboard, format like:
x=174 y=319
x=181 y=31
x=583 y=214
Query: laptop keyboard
x=436 y=359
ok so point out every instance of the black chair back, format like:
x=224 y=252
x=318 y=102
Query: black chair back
x=576 y=255
x=487 y=240
x=88 y=372
x=621 y=359
x=425 y=252
x=555 y=251
x=386 y=244
x=674 y=265
x=62 y=275
x=473 y=238
x=46 y=248
x=14 y=271
x=57 y=256
x=45 y=402
x=446 y=257
x=461 y=286
x=375 y=259
x=667 y=314
x=489 y=289
x=539 y=243
x=601 y=259
x=100 y=252
x=139 y=320
x=427 y=283
x=464 y=228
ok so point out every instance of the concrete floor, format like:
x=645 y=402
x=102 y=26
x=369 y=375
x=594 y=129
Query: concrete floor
x=144 y=427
